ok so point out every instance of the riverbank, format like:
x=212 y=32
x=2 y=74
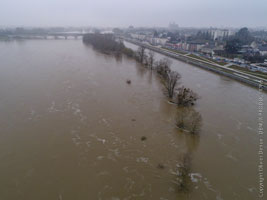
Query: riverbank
x=231 y=73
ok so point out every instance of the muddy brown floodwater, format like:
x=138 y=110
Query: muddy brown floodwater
x=71 y=128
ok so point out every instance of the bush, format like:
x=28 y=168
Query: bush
x=163 y=67
x=129 y=52
x=189 y=120
x=186 y=97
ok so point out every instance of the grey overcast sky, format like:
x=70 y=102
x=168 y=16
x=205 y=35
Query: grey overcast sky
x=198 y=13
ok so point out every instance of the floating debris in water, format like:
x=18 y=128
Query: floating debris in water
x=100 y=157
x=143 y=138
x=88 y=143
x=32 y=114
x=161 y=166
x=252 y=189
x=128 y=81
x=230 y=156
x=103 y=173
x=52 y=108
x=195 y=177
x=142 y=159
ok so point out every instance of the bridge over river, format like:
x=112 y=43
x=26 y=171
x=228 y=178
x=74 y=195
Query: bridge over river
x=54 y=35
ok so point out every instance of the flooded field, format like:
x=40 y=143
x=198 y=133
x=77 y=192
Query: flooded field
x=72 y=128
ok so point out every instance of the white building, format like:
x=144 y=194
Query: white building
x=160 y=41
x=138 y=36
x=263 y=50
x=220 y=33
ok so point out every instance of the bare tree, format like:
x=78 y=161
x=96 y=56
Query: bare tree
x=151 y=59
x=145 y=60
x=170 y=82
x=141 y=54
x=181 y=119
x=163 y=67
x=184 y=169
x=169 y=78
x=196 y=122
x=189 y=120
x=186 y=97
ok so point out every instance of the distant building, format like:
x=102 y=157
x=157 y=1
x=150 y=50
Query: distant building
x=220 y=33
x=138 y=36
x=160 y=41
x=263 y=50
x=173 y=26
x=254 y=45
x=195 y=46
x=248 y=50
x=208 y=49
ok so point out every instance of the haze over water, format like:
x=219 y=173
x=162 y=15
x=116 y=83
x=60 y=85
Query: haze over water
x=71 y=128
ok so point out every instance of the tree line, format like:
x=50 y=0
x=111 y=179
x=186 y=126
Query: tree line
x=189 y=120
x=106 y=43
x=234 y=45
x=181 y=96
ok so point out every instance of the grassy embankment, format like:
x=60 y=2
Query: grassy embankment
x=175 y=51
x=258 y=74
x=197 y=57
x=207 y=59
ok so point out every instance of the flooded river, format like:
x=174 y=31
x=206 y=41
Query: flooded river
x=71 y=128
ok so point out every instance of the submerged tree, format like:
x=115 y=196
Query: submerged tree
x=163 y=67
x=186 y=97
x=195 y=122
x=170 y=82
x=151 y=59
x=181 y=119
x=169 y=78
x=103 y=42
x=129 y=52
x=189 y=120
x=107 y=43
x=141 y=54
x=183 y=177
